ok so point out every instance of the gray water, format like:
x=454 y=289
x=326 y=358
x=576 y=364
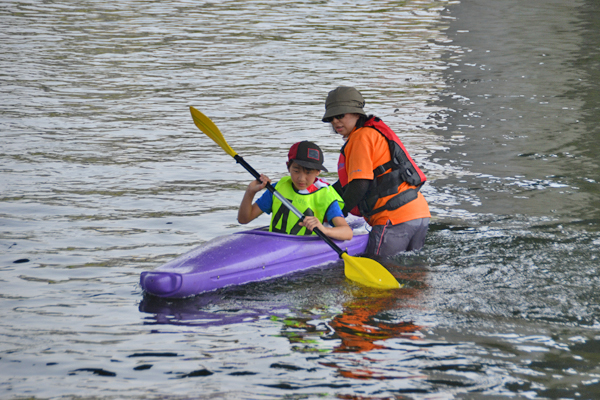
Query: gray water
x=104 y=176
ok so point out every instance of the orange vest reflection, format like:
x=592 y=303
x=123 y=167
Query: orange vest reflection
x=359 y=329
x=363 y=321
x=364 y=326
x=366 y=321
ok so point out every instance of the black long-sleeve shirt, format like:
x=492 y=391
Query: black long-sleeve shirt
x=353 y=193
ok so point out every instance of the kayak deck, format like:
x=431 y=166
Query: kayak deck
x=240 y=258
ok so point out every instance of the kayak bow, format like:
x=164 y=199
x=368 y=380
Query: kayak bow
x=240 y=258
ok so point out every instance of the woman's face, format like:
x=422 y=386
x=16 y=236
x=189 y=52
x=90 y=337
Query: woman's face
x=344 y=124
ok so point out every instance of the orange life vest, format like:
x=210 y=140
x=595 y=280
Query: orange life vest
x=401 y=167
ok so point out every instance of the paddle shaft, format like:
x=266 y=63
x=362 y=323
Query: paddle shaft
x=287 y=203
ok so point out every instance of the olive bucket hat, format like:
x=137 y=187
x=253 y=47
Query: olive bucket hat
x=343 y=100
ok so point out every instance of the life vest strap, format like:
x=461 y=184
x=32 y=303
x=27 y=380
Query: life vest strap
x=395 y=202
x=401 y=169
x=382 y=168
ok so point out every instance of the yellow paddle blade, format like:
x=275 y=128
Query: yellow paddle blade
x=368 y=272
x=207 y=126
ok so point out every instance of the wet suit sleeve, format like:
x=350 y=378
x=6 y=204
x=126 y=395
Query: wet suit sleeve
x=338 y=188
x=354 y=193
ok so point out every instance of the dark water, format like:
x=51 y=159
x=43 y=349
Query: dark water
x=105 y=176
x=521 y=267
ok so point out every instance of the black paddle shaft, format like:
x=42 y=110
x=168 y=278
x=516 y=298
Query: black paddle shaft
x=287 y=203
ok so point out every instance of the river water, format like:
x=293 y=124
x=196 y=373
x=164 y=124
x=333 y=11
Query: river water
x=104 y=176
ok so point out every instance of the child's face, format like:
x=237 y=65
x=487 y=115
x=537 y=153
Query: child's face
x=302 y=177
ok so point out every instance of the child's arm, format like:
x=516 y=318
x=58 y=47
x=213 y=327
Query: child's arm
x=248 y=211
x=340 y=231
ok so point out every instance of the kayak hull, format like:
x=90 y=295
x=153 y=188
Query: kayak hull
x=240 y=258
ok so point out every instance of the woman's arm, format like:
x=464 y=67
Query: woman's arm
x=354 y=193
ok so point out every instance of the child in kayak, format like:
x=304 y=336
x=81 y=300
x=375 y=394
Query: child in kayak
x=312 y=196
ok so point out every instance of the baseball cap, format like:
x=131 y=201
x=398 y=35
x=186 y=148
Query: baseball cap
x=307 y=155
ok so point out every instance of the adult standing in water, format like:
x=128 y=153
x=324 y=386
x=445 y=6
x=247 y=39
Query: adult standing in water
x=377 y=177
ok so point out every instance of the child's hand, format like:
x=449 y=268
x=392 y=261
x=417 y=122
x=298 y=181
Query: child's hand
x=256 y=186
x=311 y=223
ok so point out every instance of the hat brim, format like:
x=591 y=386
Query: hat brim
x=333 y=111
x=310 y=165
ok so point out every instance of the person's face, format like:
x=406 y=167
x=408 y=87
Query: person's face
x=302 y=177
x=344 y=124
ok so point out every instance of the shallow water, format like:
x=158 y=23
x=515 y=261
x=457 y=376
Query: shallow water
x=104 y=176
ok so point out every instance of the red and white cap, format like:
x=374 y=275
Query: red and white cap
x=307 y=155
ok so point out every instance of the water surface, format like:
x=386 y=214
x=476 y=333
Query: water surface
x=104 y=176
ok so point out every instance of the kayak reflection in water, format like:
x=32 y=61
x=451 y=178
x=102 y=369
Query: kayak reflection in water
x=377 y=177
x=312 y=196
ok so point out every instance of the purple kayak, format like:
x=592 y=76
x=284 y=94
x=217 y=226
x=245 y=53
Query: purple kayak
x=240 y=258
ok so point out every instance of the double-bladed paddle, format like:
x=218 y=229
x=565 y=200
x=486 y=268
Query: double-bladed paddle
x=359 y=269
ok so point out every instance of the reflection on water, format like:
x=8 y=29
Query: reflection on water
x=104 y=175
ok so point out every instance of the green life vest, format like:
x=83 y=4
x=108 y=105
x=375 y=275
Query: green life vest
x=312 y=204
